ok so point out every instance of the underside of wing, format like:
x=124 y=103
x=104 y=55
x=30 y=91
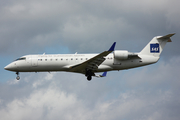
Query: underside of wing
x=91 y=64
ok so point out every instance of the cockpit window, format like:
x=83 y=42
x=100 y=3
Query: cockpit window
x=22 y=58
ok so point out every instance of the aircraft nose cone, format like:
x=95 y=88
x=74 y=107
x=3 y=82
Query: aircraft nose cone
x=8 y=67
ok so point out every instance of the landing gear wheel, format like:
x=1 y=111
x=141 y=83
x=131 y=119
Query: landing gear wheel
x=17 y=73
x=89 y=78
x=17 y=77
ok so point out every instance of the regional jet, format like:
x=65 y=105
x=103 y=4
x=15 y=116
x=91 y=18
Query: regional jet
x=89 y=64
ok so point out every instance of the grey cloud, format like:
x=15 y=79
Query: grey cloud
x=83 y=24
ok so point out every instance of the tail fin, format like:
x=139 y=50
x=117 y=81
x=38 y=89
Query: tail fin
x=156 y=45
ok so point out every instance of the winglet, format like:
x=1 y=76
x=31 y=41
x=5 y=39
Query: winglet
x=104 y=74
x=112 y=47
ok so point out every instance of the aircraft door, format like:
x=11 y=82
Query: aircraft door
x=28 y=60
x=34 y=60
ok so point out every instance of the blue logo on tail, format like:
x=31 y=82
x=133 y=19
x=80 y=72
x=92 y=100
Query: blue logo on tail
x=154 y=48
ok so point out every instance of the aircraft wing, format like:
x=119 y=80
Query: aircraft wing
x=93 y=63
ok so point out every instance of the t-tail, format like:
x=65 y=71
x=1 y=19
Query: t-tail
x=156 y=45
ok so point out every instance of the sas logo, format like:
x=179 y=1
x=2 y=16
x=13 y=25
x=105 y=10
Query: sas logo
x=154 y=48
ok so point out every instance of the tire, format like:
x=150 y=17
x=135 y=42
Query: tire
x=17 y=77
x=89 y=78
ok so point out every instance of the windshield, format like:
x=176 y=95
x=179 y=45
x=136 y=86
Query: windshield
x=22 y=58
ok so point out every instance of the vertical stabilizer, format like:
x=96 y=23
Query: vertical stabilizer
x=156 y=45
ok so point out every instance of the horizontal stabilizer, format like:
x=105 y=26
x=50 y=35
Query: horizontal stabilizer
x=166 y=37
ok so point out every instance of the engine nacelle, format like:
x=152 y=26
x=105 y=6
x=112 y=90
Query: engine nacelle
x=120 y=54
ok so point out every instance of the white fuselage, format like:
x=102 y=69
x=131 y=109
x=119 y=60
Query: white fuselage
x=63 y=62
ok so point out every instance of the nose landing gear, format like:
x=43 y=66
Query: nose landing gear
x=17 y=73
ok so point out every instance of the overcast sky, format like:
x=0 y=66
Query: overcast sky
x=89 y=26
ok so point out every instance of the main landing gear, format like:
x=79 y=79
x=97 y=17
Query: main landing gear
x=17 y=73
x=89 y=75
x=89 y=78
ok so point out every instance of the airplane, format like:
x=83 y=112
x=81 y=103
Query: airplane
x=89 y=64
